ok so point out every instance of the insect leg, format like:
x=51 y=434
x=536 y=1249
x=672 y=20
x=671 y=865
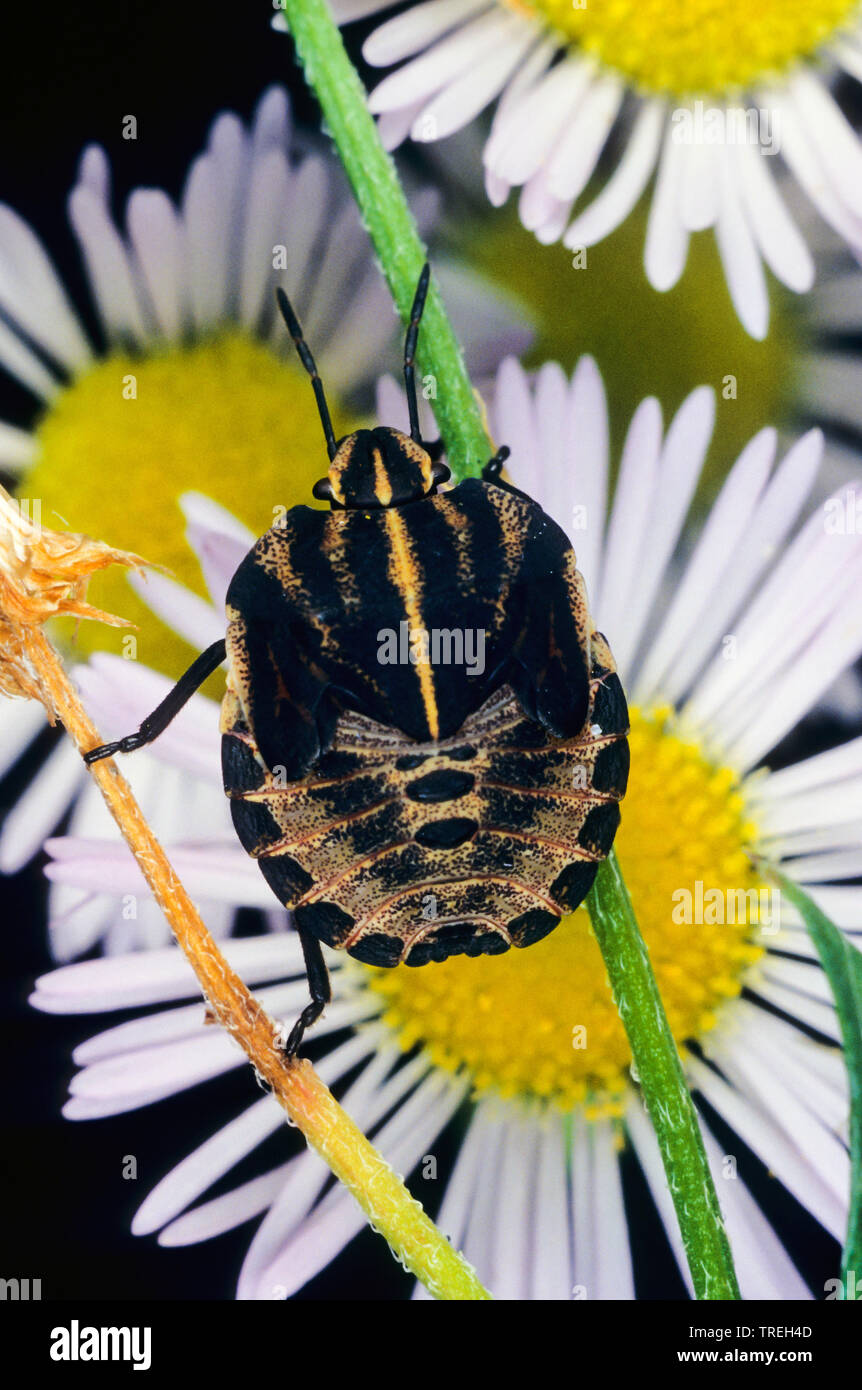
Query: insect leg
x=491 y=471
x=410 y=352
x=158 y=721
x=318 y=987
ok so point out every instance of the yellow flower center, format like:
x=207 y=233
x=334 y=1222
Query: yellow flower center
x=120 y=445
x=541 y=1024
x=696 y=46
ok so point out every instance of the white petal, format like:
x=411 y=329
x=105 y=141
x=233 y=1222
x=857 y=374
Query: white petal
x=227 y=1212
x=782 y=1152
x=17 y=447
x=477 y=1245
x=666 y=239
x=628 y=181
x=43 y=803
x=266 y=227
x=445 y=61
x=209 y=871
x=522 y=142
x=20 y=722
x=781 y=244
x=773 y=519
x=728 y=520
x=763 y=1266
x=832 y=649
x=31 y=291
x=192 y=617
x=470 y=93
x=805 y=163
x=94 y=171
x=550 y=395
x=414 y=30
x=271 y=121
x=176 y=1025
x=775 y=1099
x=461 y=1190
x=587 y=433
x=835 y=765
x=835 y=140
x=577 y=154
x=581 y=1197
x=627 y=535
x=700 y=186
x=552 y=1271
x=345 y=11
x=682 y=457
x=645 y=1145
x=156 y=234
x=740 y=257
x=614 y=1275
x=513 y=422
x=217 y=1155
x=153 y=977
x=107 y=264
x=20 y=362
x=512 y=1255
x=205 y=212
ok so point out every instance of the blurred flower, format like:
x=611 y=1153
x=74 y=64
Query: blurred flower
x=722 y=649
x=701 y=92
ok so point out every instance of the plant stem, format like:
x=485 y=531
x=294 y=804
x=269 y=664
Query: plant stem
x=663 y=1085
x=391 y=226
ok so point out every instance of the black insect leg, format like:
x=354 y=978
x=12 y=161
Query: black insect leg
x=410 y=352
x=493 y=468
x=158 y=721
x=318 y=987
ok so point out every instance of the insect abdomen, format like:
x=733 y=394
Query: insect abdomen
x=397 y=851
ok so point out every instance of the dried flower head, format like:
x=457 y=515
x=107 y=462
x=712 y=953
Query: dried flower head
x=43 y=574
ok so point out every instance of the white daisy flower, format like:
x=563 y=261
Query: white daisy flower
x=722 y=649
x=195 y=386
x=700 y=93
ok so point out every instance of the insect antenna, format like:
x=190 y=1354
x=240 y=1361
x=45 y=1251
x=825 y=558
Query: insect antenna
x=305 y=357
x=410 y=352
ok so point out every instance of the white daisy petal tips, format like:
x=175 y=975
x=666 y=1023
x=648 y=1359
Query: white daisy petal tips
x=560 y=74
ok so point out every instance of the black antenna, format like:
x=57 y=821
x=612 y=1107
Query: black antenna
x=308 y=363
x=410 y=352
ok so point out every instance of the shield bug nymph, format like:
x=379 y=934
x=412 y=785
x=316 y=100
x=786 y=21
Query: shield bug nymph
x=423 y=735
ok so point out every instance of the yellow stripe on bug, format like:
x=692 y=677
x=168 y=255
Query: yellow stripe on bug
x=405 y=576
x=382 y=485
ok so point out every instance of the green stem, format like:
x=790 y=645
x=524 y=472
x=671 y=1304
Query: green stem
x=391 y=226
x=663 y=1085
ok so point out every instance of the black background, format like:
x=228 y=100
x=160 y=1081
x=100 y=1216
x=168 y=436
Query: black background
x=71 y=74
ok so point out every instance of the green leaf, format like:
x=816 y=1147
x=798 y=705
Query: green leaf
x=843 y=965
